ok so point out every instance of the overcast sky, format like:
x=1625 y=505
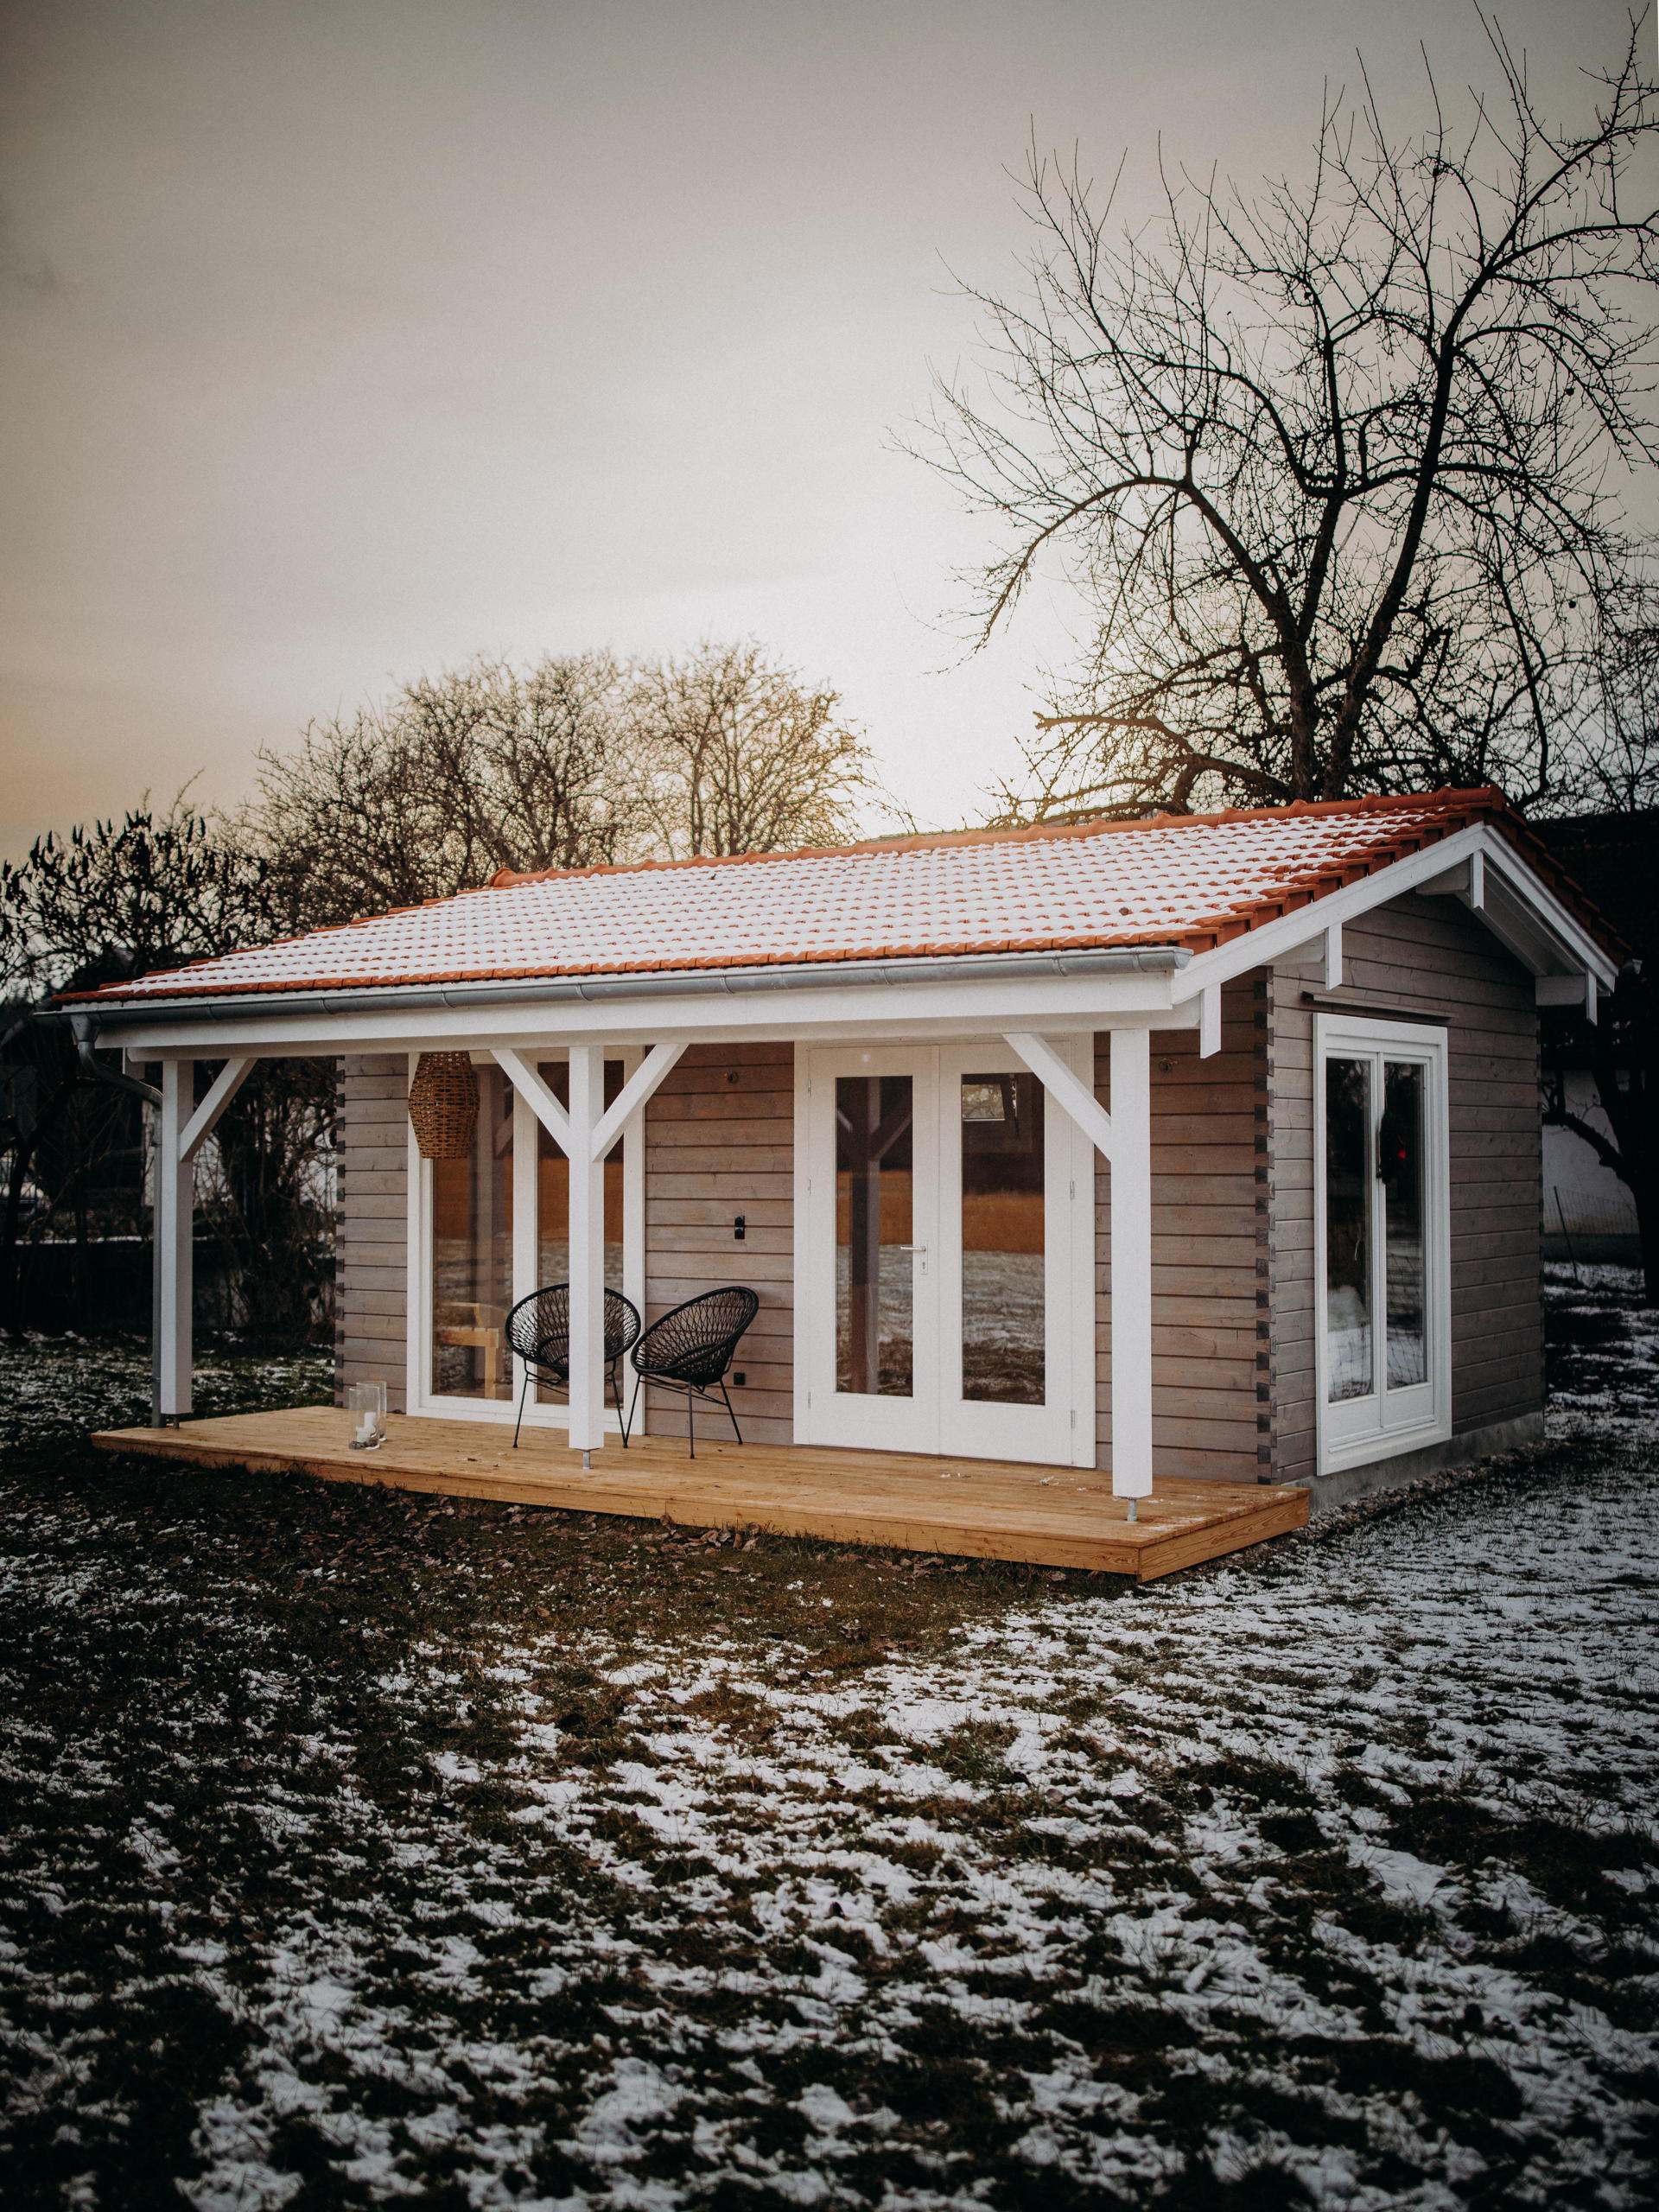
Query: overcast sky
x=340 y=341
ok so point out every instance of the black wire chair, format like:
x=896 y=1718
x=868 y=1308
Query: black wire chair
x=690 y=1350
x=538 y=1328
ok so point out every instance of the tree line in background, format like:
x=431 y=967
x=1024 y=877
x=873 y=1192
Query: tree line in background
x=575 y=760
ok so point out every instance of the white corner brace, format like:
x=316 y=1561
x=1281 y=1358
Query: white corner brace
x=202 y=1123
x=536 y=1094
x=1209 y=1022
x=1073 y=1096
x=636 y=1093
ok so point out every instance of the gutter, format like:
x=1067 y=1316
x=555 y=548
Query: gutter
x=730 y=983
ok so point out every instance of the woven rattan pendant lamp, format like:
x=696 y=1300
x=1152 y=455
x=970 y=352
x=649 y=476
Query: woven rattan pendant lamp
x=444 y=1105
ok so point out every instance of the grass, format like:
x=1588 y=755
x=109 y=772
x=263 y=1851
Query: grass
x=357 y=1847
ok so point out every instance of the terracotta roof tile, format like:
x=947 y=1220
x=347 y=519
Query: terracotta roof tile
x=1182 y=881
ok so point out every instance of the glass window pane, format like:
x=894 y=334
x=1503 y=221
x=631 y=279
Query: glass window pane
x=1003 y=1225
x=553 y=1201
x=472 y=1254
x=1399 y=1168
x=1348 y=1229
x=874 y=1267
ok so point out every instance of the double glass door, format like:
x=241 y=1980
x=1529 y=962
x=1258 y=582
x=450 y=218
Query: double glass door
x=1383 y=1326
x=940 y=1237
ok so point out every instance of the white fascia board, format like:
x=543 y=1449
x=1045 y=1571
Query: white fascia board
x=959 y=1006
x=1303 y=931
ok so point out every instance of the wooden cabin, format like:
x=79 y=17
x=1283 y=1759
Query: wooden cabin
x=1122 y=1185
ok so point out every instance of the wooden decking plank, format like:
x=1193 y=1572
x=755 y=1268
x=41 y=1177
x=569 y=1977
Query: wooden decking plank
x=980 y=1509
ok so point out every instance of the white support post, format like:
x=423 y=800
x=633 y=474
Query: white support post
x=1131 y=1217
x=1124 y=1137
x=172 y=1210
x=587 y=1170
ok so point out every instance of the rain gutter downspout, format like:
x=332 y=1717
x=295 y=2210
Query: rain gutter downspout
x=85 y=1027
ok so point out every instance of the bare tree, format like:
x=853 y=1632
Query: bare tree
x=457 y=776
x=1335 y=464
x=116 y=900
x=740 y=755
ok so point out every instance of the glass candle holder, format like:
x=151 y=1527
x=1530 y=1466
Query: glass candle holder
x=366 y=1403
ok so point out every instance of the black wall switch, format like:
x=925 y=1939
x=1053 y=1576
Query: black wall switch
x=740 y=1229
x=738 y=1379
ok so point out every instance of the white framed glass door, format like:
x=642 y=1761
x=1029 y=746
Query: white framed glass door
x=866 y=1353
x=1383 y=1255
x=1009 y=1176
x=944 y=1283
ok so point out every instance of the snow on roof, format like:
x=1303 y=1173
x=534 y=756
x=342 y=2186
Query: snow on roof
x=1176 y=880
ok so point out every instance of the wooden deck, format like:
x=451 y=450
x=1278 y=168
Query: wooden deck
x=1054 y=1517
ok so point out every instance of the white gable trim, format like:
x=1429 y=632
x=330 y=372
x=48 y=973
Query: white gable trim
x=1478 y=865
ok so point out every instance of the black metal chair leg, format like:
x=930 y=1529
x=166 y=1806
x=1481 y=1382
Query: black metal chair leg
x=736 y=1431
x=691 y=1420
x=519 y=1423
x=634 y=1407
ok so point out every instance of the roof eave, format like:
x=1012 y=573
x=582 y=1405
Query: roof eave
x=636 y=994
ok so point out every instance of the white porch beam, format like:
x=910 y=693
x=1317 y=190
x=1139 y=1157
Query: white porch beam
x=172 y=1215
x=537 y=1095
x=1069 y=1092
x=636 y=1094
x=202 y=1123
x=1124 y=1137
x=587 y=1172
x=1131 y=1232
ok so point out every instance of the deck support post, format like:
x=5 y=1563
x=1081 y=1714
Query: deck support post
x=171 y=1213
x=1131 y=1220
x=585 y=1111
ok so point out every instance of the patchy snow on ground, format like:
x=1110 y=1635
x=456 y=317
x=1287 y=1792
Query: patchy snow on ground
x=365 y=1849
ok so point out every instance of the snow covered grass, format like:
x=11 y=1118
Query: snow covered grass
x=361 y=1849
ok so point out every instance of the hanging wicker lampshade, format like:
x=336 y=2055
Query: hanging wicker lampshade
x=444 y=1105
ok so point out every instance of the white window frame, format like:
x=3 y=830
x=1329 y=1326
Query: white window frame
x=423 y=1400
x=1343 y=1036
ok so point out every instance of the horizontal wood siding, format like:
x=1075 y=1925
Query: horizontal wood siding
x=719 y=1137
x=1209 y=1415
x=372 y=1226
x=1422 y=956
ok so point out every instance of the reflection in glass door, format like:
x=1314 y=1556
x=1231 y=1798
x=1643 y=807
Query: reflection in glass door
x=471 y=1255
x=1004 y=1240
x=1383 y=1326
x=875 y=1290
